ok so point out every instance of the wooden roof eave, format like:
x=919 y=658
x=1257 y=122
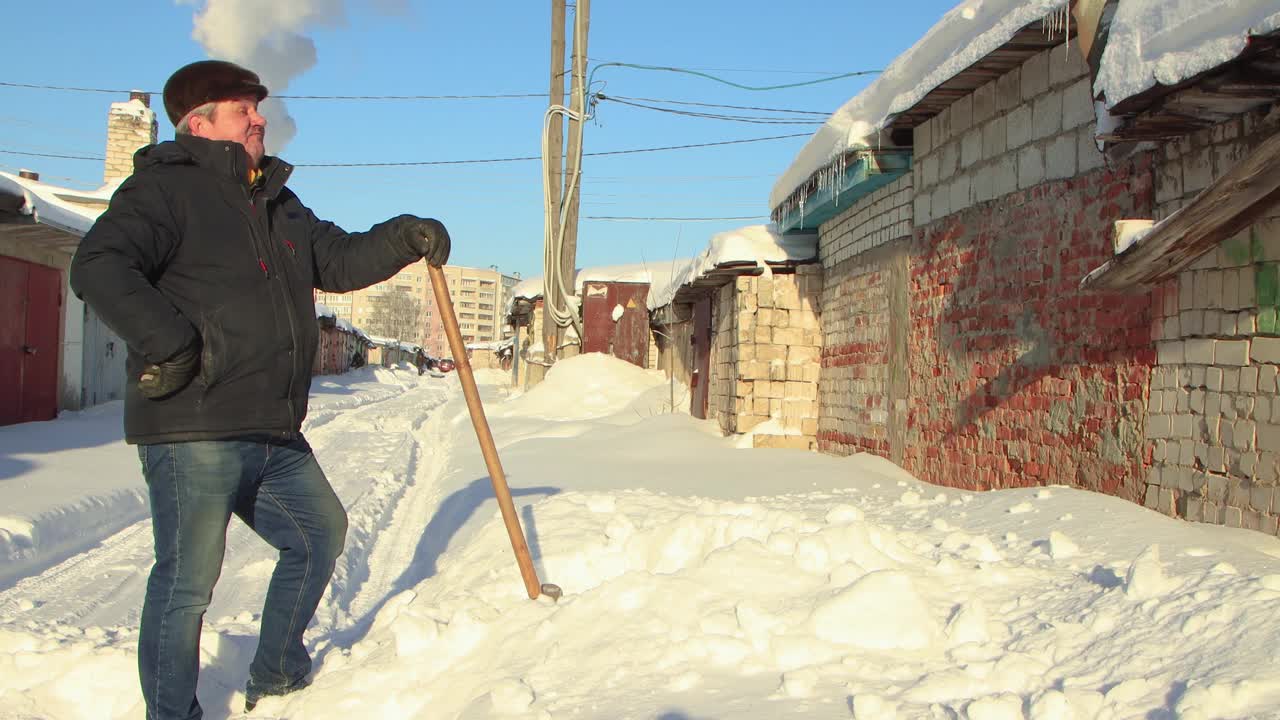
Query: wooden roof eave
x=1239 y=198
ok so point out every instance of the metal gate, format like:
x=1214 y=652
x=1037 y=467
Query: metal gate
x=30 y=329
x=615 y=320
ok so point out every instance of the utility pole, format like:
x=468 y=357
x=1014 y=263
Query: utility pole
x=577 y=105
x=555 y=169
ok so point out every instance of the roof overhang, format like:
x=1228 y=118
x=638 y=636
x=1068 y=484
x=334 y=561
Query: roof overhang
x=837 y=188
x=1248 y=82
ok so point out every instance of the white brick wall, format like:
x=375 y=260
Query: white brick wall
x=1217 y=352
x=1033 y=124
x=872 y=221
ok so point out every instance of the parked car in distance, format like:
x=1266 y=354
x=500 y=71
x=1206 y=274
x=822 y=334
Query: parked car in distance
x=444 y=365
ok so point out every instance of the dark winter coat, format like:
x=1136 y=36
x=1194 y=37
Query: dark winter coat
x=188 y=254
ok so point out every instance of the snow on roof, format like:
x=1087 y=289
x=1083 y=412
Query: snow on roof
x=133 y=108
x=323 y=311
x=495 y=345
x=653 y=273
x=73 y=211
x=1168 y=41
x=759 y=244
x=966 y=34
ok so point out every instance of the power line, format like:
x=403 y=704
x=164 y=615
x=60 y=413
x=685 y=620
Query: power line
x=538 y=157
x=740 y=86
x=421 y=163
x=291 y=97
x=620 y=218
x=51 y=155
x=748 y=70
x=713 y=105
x=755 y=120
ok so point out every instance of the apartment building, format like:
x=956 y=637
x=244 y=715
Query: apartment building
x=478 y=294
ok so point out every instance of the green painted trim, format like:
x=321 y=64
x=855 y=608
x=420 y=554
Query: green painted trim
x=870 y=172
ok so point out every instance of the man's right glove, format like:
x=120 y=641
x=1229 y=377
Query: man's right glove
x=426 y=237
x=160 y=380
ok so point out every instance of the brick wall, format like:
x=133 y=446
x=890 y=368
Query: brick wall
x=1016 y=376
x=863 y=338
x=130 y=125
x=1019 y=378
x=1214 y=410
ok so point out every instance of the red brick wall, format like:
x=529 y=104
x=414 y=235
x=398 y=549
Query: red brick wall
x=1017 y=377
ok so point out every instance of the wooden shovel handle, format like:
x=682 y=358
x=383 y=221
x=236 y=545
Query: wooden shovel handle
x=440 y=286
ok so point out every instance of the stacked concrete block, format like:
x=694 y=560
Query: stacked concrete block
x=765 y=357
x=1213 y=412
x=1029 y=126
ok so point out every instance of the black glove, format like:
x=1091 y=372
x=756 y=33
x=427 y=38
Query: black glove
x=426 y=237
x=160 y=380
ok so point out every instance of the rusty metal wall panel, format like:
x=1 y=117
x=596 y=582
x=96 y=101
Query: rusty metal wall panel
x=630 y=340
x=627 y=336
x=597 y=320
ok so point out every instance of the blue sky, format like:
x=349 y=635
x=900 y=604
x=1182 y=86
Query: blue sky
x=494 y=211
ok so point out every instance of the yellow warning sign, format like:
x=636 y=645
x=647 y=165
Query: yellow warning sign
x=631 y=304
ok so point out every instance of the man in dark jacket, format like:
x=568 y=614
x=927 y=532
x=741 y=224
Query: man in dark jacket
x=204 y=264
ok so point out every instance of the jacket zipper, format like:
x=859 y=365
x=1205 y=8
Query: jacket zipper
x=254 y=210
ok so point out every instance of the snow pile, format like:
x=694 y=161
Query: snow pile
x=1167 y=41
x=966 y=34
x=758 y=244
x=700 y=581
x=592 y=385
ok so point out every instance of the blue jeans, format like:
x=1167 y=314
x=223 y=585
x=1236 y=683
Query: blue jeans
x=278 y=490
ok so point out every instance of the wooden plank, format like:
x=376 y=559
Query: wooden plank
x=1223 y=209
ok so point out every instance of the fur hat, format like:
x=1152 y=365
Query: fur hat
x=208 y=81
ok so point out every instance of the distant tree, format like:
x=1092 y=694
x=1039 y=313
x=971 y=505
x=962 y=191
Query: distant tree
x=397 y=315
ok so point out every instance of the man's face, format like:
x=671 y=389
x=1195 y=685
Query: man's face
x=236 y=120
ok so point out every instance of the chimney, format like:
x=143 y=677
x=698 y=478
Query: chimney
x=29 y=174
x=130 y=125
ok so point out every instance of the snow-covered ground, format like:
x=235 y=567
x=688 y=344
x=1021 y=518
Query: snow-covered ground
x=701 y=580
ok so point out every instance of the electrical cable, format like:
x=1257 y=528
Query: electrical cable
x=685 y=71
x=713 y=116
x=66 y=88
x=561 y=302
x=621 y=218
x=52 y=155
x=730 y=107
x=535 y=157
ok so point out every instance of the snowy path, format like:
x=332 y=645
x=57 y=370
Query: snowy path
x=373 y=446
x=701 y=581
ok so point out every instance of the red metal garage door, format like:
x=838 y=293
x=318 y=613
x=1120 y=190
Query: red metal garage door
x=30 y=318
x=626 y=336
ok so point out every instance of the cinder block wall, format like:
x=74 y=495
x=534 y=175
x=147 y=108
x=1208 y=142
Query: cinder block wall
x=1214 y=410
x=765 y=356
x=1017 y=377
x=862 y=383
